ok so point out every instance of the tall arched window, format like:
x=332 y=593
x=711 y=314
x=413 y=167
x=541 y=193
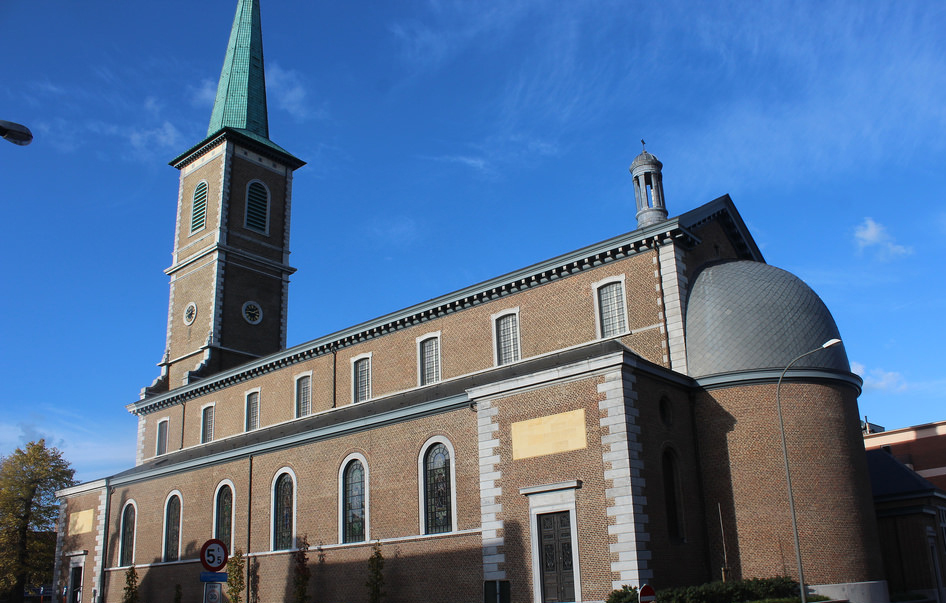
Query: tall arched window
x=126 y=553
x=257 y=207
x=303 y=396
x=199 y=210
x=282 y=512
x=673 y=496
x=223 y=517
x=353 y=502
x=172 y=528
x=438 y=510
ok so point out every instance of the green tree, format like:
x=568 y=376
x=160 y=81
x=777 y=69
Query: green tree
x=235 y=581
x=29 y=479
x=301 y=572
x=375 y=581
x=130 y=594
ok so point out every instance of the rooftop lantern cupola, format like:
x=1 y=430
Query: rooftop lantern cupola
x=648 y=189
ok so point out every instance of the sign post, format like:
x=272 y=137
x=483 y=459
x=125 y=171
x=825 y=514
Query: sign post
x=213 y=556
x=646 y=594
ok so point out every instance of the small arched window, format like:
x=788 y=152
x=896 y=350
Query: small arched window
x=283 y=513
x=257 y=208
x=303 y=396
x=353 y=502
x=438 y=507
x=223 y=517
x=172 y=529
x=507 y=338
x=126 y=552
x=611 y=314
x=199 y=208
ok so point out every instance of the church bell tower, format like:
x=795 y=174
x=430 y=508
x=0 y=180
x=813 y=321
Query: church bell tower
x=230 y=272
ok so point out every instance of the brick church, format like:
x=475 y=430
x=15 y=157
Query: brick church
x=605 y=417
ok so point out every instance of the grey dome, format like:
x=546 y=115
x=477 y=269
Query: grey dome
x=746 y=315
x=646 y=158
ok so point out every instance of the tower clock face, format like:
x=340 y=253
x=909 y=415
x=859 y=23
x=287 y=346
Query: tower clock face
x=252 y=312
x=190 y=313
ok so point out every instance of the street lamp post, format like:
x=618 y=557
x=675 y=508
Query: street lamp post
x=788 y=473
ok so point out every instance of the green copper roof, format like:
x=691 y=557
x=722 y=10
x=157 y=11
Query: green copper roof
x=241 y=93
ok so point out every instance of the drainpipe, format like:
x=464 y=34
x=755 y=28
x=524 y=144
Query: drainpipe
x=183 y=415
x=249 y=524
x=334 y=374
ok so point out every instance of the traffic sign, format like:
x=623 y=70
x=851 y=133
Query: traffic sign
x=213 y=555
x=646 y=594
x=213 y=592
x=214 y=576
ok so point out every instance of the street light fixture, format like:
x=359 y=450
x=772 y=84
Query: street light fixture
x=15 y=133
x=788 y=473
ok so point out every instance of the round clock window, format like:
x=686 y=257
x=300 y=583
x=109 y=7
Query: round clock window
x=252 y=312
x=190 y=313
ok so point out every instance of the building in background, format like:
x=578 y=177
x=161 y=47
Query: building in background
x=600 y=418
x=920 y=447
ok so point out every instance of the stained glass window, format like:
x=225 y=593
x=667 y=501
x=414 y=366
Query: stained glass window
x=282 y=513
x=437 y=495
x=127 y=552
x=224 y=525
x=172 y=529
x=353 y=502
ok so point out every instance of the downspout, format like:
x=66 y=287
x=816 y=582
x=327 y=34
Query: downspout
x=183 y=415
x=663 y=306
x=334 y=374
x=249 y=523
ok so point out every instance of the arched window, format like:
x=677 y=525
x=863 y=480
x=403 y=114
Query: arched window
x=257 y=207
x=438 y=508
x=252 y=411
x=126 y=553
x=673 y=496
x=506 y=337
x=223 y=517
x=199 y=210
x=172 y=528
x=353 y=502
x=429 y=360
x=283 y=518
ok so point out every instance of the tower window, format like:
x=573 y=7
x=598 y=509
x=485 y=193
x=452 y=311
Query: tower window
x=507 y=338
x=257 y=208
x=207 y=424
x=303 y=396
x=612 y=317
x=199 y=210
x=361 y=379
x=429 y=360
x=252 y=411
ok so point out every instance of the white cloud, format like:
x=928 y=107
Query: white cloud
x=870 y=234
x=286 y=89
x=204 y=94
x=879 y=379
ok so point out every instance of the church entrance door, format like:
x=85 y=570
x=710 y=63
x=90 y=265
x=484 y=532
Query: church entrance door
x=555 y=548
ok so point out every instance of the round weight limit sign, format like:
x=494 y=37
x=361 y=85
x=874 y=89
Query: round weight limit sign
x=213 y=555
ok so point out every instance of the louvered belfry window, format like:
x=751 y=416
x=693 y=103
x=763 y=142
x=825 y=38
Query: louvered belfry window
x=257 y=208
x=199 y=211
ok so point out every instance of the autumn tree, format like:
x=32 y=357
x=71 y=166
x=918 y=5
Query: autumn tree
x=29 y=479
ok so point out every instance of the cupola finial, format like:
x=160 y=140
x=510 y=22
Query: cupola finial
x=648 y=188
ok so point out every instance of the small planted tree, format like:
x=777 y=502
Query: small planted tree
x=236 y=565
x=375 y=581
x=301 y=572
x=130 y=594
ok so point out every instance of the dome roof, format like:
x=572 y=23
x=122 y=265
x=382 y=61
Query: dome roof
x=746 y=315
x=646 y=158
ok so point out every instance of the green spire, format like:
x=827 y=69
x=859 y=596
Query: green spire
x=241 y=93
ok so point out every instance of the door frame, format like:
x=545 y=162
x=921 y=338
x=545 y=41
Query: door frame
x=552 y=498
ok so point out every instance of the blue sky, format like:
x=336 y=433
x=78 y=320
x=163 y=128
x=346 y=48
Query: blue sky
x=449 y=142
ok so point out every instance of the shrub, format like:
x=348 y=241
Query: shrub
x=734 y=591
x=625 y=594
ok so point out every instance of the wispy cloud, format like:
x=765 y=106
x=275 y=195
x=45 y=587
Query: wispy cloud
x=203 y=94
x=879 y=380
x=872 y=235
x=399 y=230
x=288 y=92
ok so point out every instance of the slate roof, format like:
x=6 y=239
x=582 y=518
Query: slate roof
x=891 y=478
x=745 y=316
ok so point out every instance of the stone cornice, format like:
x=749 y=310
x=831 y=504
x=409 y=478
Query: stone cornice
x=592 y=256
x=760 y=376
